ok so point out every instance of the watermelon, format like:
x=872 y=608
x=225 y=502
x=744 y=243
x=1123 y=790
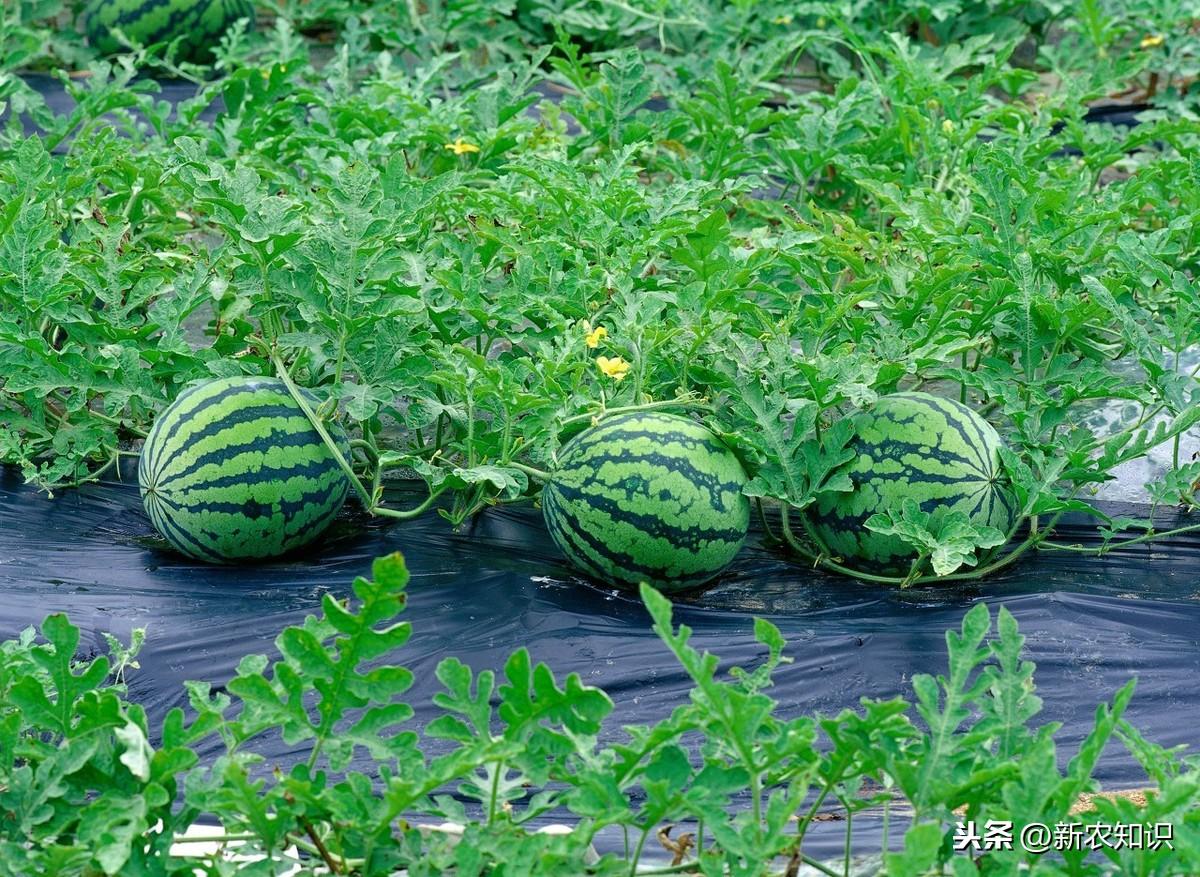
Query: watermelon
x=647 y=497
x=200 y=23
x=233 y=470
x=918 y=446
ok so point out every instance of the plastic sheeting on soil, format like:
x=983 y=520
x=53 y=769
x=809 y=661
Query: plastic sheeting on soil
x=482 y=593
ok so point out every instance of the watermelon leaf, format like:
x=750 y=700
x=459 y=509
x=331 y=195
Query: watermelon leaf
x=949 y=543
x=325 y=655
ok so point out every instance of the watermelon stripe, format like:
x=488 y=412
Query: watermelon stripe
x=291 y=481
x=600 y=561
x=895 y=450
x=239 y=416
x=669 y=433
x=226 y=455
x=962 y=420
x=178 y=536
x=315 y=469
x=935 y=451
x=243 y=430
x=235 y=470
x=713 y=487
x=212 y=395
x=291 y=507
x=325 y=518
x=219 y=408
x=647 y=497
x=929 y=505
x=684 y=537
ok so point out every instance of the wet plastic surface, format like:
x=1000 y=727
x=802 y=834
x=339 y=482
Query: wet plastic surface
x=479 y=594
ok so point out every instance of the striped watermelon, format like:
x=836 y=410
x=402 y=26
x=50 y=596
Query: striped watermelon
x=233 y=470
x=648 y=497
x=200 y=23
x=913 y=445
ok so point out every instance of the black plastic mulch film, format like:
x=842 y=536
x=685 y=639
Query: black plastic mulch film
x=499 y=584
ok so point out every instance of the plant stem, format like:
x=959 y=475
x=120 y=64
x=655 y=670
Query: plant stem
x=823 y=561
x=95 y=476
x=846 y=846
x=397 y=514
x=762 y=516
x=539 y=474
x=637 y=852
x=648 y=406
x=1006 y=560
x=281 y=370
x=1125 y=543
x=366 y=446
x=494 y=793
x=330 y=862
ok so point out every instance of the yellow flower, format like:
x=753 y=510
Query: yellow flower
x=783 y=19
x=595 y=336
x=1153 y=41
x=615 y=368
x=461 y=147
x=947 y=126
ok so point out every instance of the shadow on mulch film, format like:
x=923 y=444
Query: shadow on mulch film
x=1091 y=623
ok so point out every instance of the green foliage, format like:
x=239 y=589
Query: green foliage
x=425 y=212
x=950 y=547
x=776 y=213
x=87 y=787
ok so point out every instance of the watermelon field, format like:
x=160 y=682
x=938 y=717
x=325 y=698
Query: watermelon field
x=599 y=437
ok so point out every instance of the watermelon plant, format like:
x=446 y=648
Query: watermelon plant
x=469 y=230
x=466 y=235
x=88 y=786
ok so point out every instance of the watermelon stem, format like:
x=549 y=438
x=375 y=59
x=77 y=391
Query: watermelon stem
x=539 y=474
x=369 y=448
x=99 y=473
x=369 y=500
x=823 y=559
x=647 y=406
x=1036 y=537
x=366 y=499
x=1124 y=543
x=385 y=512
x=766 y=524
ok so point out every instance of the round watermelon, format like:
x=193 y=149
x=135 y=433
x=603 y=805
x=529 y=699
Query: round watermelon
x=913 y=446
x=200 y=23
x=234 y=470
x=648 y=497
